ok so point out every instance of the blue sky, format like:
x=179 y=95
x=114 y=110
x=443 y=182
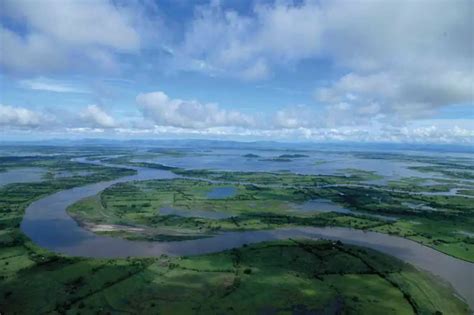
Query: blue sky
x=368 y=71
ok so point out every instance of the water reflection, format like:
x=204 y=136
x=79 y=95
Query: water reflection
x=315 y=163
x=320 y=205
x=22 y=175
x=222 y=192
x=47 y=223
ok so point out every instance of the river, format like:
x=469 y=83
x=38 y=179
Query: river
x=48 y=225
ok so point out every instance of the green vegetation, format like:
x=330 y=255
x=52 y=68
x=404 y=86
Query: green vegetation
x=285 y=276
x=442 y=233
x=453 y=173
x=139 y=205
x=14 y=198
x=469 y=192
x=281 y=179
x=432 y=220
x=293 y=276
x=359 y=175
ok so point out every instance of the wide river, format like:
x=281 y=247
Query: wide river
x=47 y=223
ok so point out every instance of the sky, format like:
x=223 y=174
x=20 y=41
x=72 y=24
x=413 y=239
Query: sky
x=322 y=71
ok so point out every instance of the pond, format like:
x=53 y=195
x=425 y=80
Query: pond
x=320 y=205
x=326 y=205
x=22 y=175
x=222 y=192
x=47 y=224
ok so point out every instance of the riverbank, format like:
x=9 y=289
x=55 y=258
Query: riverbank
x=49 y=226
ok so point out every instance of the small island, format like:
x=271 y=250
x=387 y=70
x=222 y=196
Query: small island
x=293 y=156
x=251 y=156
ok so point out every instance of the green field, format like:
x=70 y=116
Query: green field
x=281 y=277
x=293 y=276
x=138 y=205
x=444 y=224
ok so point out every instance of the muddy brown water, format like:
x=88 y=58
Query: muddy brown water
x=48 y=225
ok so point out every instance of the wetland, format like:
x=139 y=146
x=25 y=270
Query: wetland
x=140 y=215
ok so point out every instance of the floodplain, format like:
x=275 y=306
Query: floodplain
x=169 y=197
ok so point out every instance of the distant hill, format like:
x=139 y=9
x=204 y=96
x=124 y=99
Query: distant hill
x=249 y=145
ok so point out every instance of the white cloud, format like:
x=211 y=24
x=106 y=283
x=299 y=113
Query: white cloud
x=14 y=117
x=398 y=95
x=162 y=110
x=77 y=22
x=255 y=71
x=437 y=131
x=34 y=53
x=95 y=116
x=371 y=35
x=65 y=34
x=358 y=35
x=416 y=133
x=225 y=42
x=85 y=130
x=398 y=63
x=341 y=121
x=44 y=84
x=299 y=116
x=288 y=124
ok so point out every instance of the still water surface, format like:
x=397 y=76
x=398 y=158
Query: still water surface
x=47 y=223
x=22 y=175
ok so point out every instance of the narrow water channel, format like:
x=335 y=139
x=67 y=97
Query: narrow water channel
x=47 y=223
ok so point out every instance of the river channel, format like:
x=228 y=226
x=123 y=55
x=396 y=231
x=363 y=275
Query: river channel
x=47 y=223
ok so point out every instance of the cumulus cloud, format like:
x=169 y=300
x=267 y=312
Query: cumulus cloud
x=397 y=95
x=291 y=123
x=220 y=41
x=393 y=65
x=19 y=117
x=373 y=35
x=434 y=132
x=299 y=116
x=162 y=110
x=398 y=63
x=91 y=118
x=338 y=122
x=362 y=36
x=95 y=116
x=61 y=35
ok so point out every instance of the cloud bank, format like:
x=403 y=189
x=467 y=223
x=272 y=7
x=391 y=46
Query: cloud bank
x=394 y=66
x=61 y=36
x=19 y=117
x=162 y=110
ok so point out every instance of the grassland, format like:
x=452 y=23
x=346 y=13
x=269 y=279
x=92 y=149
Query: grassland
x=436 y=221
x=140 y=205
x=293 y=276
x=14 y=198
x=441 y=222
x=278 y=277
